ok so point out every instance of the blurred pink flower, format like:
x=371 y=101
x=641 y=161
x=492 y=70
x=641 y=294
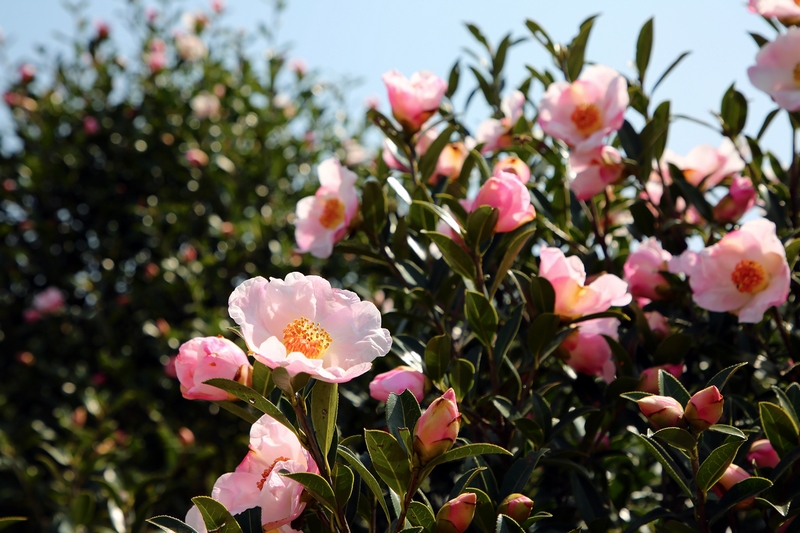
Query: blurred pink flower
x=103 y=29
x=509 y=196
x=740 y=199
x=648 y=381
x=787 y=11
x=390 y=150
x=217 y=6
x=496 y=134
x=49 y=301
x=194 y=21
x=776 y=70
x=322 y=219
x=27 y=72
x=205 y=105
x=170 y=369
x=587 y=352
x=397 y=381
x=705 y=166
x=745 y=273
x=196 y=157
x=306 y=326
x=451 y=160
x=204 y=358
x=190 y=47
x=91 y=126
x=594 y=169
x=156 y=58
x=298 y=66
x=585 y=111
x=514 y=165
x=372 y=102
x=414 y=100
x=659 y=325
x=642 y=271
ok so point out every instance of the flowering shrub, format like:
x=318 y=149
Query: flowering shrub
x=562 y=331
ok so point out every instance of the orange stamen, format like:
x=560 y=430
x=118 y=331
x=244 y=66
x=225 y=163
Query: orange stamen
x=304 y=336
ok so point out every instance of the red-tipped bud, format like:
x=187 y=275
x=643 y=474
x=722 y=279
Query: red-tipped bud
x=704 y=409
x=456 y=515
x=763 y=454
x=517 y=506
x=437 y=428
x=662 y=411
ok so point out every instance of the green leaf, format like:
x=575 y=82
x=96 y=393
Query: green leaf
x=666 y=463
x=83 y=507
x=317 y=487
x=237 y=410
x=452 y=84
x=541 y=515
x=643 y=218
x=468 y=450
x=508 y=333
x=747 y=488
x=734 y=111
x=478 y=35
x=764 y=126
x=324 y=408
x=786 y=404
x=163 y=522
x=402 y=411
x=427 y=164
x=793 y=393
x=656 y=514
x=715 y=465
x=677 y=437
x=262 y=378
x=531 y=430
x=464 y=480
x=635 y=396
x=482 y=317
x=462 y=377
x=506 y=524
x=215 y=516
x=619 y=315
x=587 y=498
x=544 y=297
x=622 y=358
x=343 y=480
x=366 y=476
x=8 y=521
x=542 y=332
x=480 y=226
x=437 y=357
x=668 y=385
x=577 y=49
x=389 y=130
x=644 y=45
x=512 y=252
x=453 y=254
x=373 y=207
x=779 y=427
x=422 y=516
x=728 y=430
x=253 y=398
x=485 y=516
x=691 y=194
x=669 y=69
x=389 y=460
x=520 y=472
x=250 y=520
x=541 y=36
x=721 y=379
x=660 y=129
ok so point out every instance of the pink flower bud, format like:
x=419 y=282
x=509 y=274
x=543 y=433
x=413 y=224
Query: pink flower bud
x=437 y=428
x=740 y=199
x=648 y=382
x=704 y=409
x=414 y=100
x=659 y=325
x=196 y=157
x=514 y=165
x=517 y=506
x=397 y=381
x=204 y=358
x=509 y=196
x=91 y=126
x=662 y=411
x=27 y=72
x=642 y=271
x=763 y=454
x=733 y=475
x=456 y=515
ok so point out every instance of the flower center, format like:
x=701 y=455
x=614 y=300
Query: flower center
x=586 y=118
x=332 y=213
x=749 y=276
x=268 y=471
x=305 y=337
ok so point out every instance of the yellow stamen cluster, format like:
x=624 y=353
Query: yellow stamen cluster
x=303 y=336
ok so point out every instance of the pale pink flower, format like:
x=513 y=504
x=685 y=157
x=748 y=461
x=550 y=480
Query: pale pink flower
x=217 y=6
x=642 y=271
x=787 y=11
x=745 y=273
x=205 y=105
x=151 y=14
x=437 y=428
x=777 y=69
x=514 y=165
x=587 y=352
x=257 y=481
x=190 y=47
x=496 y=134
x=204 y=358
x=648 y=381
x=574 y=298
x=196 y=157
x=399 y=380
x=739 y=200
x=49 y=301
x=355 y=153
x=705 y=166
x=322 y=219
x=509 y=196
x=372 y=102
x=306 y=326
x=585 y=111
x=156 y=58
x=27 y=72
x=194 y=21
x=414 y=100
x=594 y=169
x=298 y=66
x=763 y=454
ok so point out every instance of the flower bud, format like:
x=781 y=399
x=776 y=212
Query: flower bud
x=648 y=382
x=763 y=454
x=662 y=411
x=398 y=381
x=204 y=358
x=437 y=428
x=733 y=475
x=704 y=409
x=514 y=165
x=456 y=515
x=517 y=506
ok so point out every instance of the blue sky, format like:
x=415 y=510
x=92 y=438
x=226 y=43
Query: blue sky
x=362 y=39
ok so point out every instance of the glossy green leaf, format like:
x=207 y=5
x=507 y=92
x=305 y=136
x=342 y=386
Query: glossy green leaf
x=262 y=378
x=421 y=515
x=373 y=207
x=480 y=226
x=677 y=438
x=427 y=163
x=673 y=349
x=508 y=333
x=544 y=297
x=715 y=465
x=690 y=193
x=779 y=427
x=485 y=516
x=520 y=472
x=721 y=379
x=317 y=487
x=437 y=357
x=506 y=524
x=668 y=385
x=734 y=111
x=215 y=516
x=666 y=463
x=577 y=49
x=644 y=45
x=482 y=317
x=747 y=488
x=253 y=398
x=453 y=254
x=786 y=404
x=452 y=84
x=389 y=460
x=8 y=521
x=343 y=480
x=462 y=377
x=366 y=476
x=669 y=69
x=512 y=252
x=468 y=450
x=728 y=430
x=324 y=408
x=402 y=411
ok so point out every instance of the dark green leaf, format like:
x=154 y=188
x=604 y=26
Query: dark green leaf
x=454 y=255
x=262 y=378
x=373 y=207
x=427 y=164
x=677 y=437
x=691 y=194
x=366 y=476
x=478 y=35
x=760 y=41
x=482 y=317
x=577 y=49
x=437 y=357
x=485 y=515
x=402 y=411
x=513 y=250
x=765 y=125
x=635 y=396
x=506 y=524
x=673 y=349
x=747 y=488
x=317 y=487
x=587 y=498
x=721 y=379
x=779 y=427
x=668 y=385
x=421 y=515
x=542 y=332
x=165 y=523
x=324 y=408
x=343 y=480
x=728 y=430
x=666 y=463
x=464 y=481
x=715 y=465
x=520 y=472
x=541 y=36
x=544 y=297
x=786 y=404
x=452 y=84
x=734 y=111
x=480 y=226
x=462 y=377
x=508 y=333
x=390 y=461
x=215 y=516
x=644 y=45
x=389 y=130
x=253 y=398
x=656 y=514
x=250 y=520
x=669 y=69
x=468 y=450
x=83 y=507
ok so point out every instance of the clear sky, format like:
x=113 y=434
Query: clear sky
x=363 y=39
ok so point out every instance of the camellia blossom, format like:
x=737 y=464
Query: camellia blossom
x=306 y=326
x=745 y=273
x=594 y=169
x=257 y=481
x=47 y=302
x=27 y=73
x=514 y=165
x=495 y=134
x=414 y=100
x=648 y=381
x=322 y=219
x=190 y=47
x=583 y=112
x=776 y=70
x=205 y=105
x=451 y=160
x=787 y=11
x=705 y=166
x=196 y=157
x=156 y=58
x=397 y=381
x=204 y=358
x=733 y=475
x=642 y=271
x=740 y=199
x=509 y=196
x=574 y=298
x=658 y=324
x=587 y=351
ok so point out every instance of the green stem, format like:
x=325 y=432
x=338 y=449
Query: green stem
x=412 y=489
x=700 y=499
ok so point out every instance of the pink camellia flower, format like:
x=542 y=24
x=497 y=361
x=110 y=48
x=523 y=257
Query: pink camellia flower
x=49 y=301
x=787 y=11
x=257 y=481
x=517 y=506
x=205 y=105
x=763 y=454
x=456 y=515
x=514 y=165
x=322 y=219
x=642 y=271
x=196 y=157
x=451 y=160
x=585 y=111
x=587 y=352
x=509 y=196
x=745 y=273
x=496 y=134
x=190 y=47
x=662 y=411
x=573 y=297
x=399 y=380
x=218 y=6
x=740 y=198
x=414 y=100
x=91 y=126
x=437 y=428
x=658 y=324
x=204 y=358
x=299 y=66
x=705 y=166
x=27 y=73
x=776 y=72
x=704 y=408
x=594 y=169
x=733 y=475
x=156 y=58
x=648 y=381
x=306 y=326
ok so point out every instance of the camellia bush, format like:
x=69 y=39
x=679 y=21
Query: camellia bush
x=556 y=323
